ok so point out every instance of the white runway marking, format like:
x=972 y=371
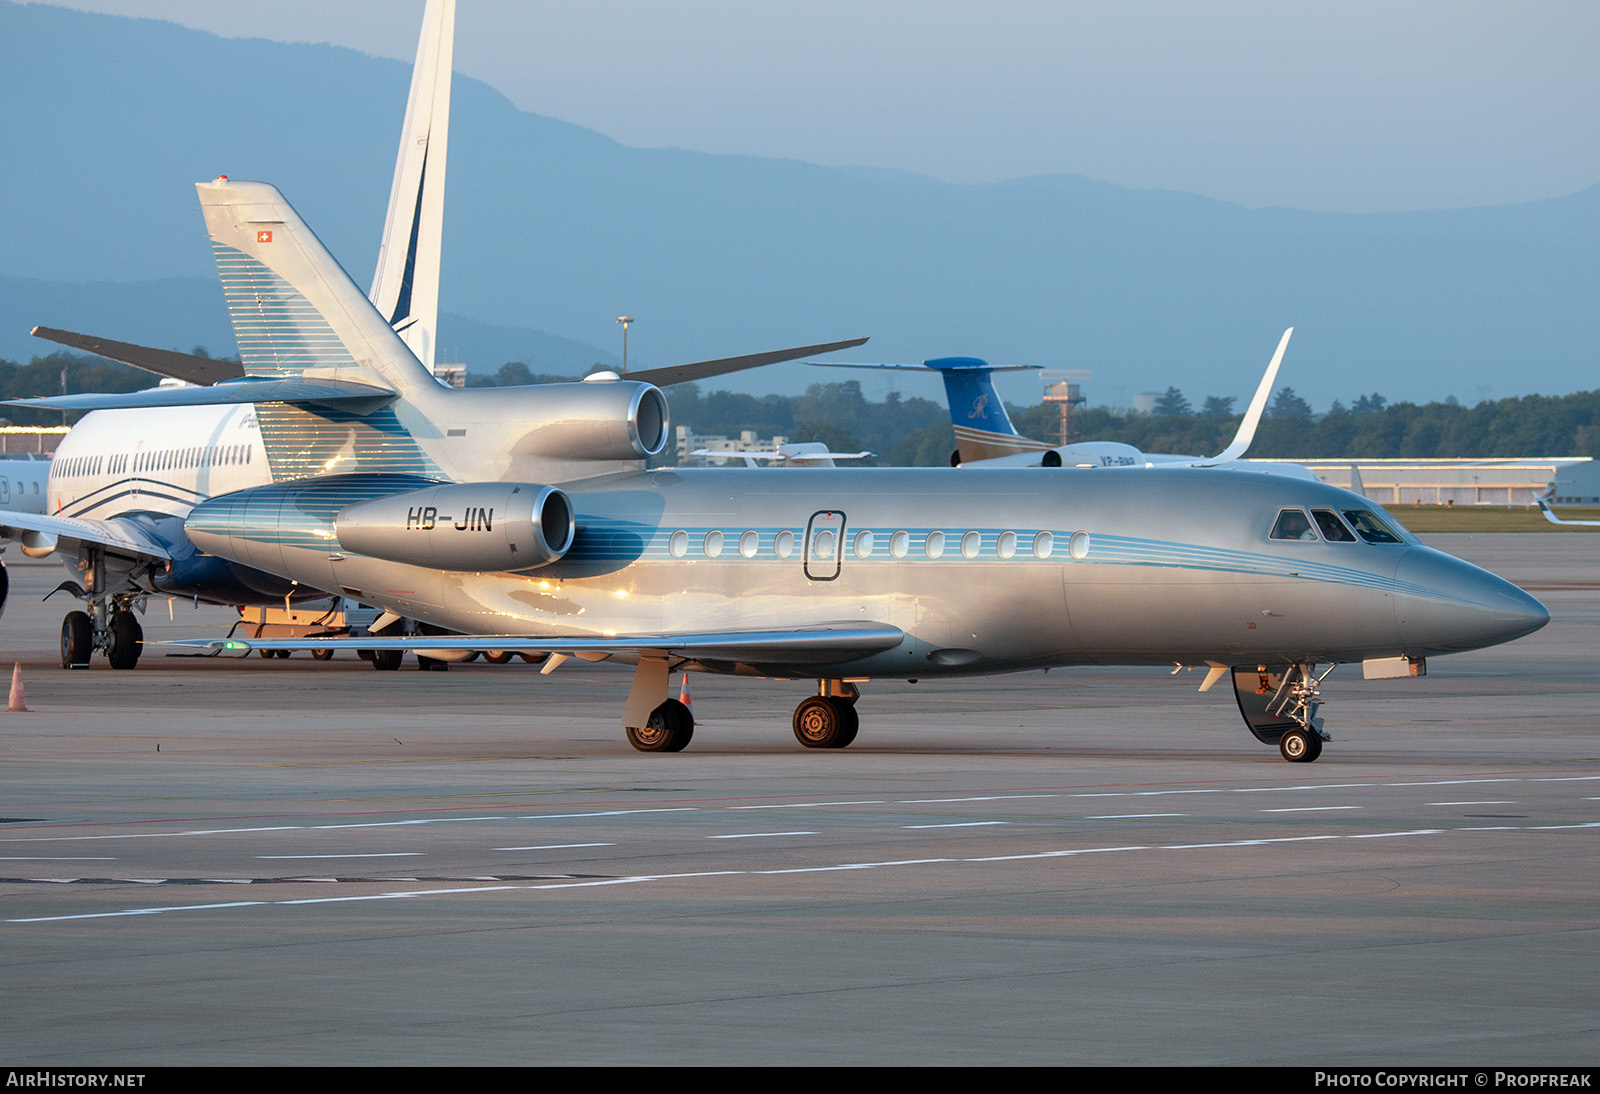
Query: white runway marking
x=1134 y=816
x=553 y=847
x=1312 y=809
x=985 y=798
x=760 y=835
x=956 y=824
x=802 y=805
x=845 y=866
x=374 y=854
x=1472 y=803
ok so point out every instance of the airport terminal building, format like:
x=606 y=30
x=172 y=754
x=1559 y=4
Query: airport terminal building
x=1463 y=481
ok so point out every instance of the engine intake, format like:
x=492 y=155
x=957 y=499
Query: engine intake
x=487 y=526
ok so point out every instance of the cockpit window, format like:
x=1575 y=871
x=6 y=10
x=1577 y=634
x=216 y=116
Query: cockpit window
x=1333 y=529
x=1293 y=524
x=1369 y=527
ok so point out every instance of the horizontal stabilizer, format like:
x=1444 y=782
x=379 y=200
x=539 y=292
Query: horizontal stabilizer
x=802 y=644
x=163 y=362
x=701 y=370
x=247 y=390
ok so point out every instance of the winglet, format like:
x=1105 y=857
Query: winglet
x=1252 y=417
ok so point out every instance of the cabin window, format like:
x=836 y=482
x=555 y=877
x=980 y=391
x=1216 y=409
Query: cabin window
x=899 y=544
x=1043 y=544
x=1369 y=527
x=1333 y=529
x=783 y=543
x=822 y=544
x=678 y=545
x=1005 y=544
x=713 y=544
x=749 y=543
x=863 y=544
x=933 y=546
x=1078 y=545
x=971 y=544
x=1293 y=524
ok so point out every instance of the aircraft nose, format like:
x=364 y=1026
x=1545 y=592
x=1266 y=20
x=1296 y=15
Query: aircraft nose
x=1444 y=605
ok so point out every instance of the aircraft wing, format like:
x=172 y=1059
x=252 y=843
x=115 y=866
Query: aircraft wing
x=121 y=536
x=162 y=362
x=247 y=390
x=821 y=644
x=701 y=370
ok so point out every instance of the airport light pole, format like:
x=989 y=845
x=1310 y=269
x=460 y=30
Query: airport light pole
x=624 y=320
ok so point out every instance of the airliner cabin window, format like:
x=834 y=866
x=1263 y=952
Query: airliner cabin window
x=1293 y=524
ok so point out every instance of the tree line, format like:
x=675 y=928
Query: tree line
x=916 y=432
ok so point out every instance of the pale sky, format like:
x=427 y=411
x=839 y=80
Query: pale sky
x=1355 y=106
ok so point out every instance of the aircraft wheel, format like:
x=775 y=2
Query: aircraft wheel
x=824 y=722
x=266 y=655
x=497 y=657
x=322 y=655
x=77 y=640
x=1299 y=746
x=126 y=641
x=670 y=730
x=284 y=654
x=386 y=660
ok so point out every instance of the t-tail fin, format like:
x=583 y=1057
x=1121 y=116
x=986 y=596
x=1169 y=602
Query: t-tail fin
x=405 y=286
x=983 y=429
x=297 y=314
x=293 y=307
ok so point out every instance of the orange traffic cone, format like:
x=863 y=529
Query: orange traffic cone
x=683 y=693
x=19 y=702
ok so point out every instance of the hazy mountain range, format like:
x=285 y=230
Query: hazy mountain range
x=553 y=230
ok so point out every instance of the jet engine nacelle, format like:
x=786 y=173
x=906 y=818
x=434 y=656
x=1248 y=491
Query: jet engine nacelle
x=481 y=526
x=602 y=418
x=38 y=544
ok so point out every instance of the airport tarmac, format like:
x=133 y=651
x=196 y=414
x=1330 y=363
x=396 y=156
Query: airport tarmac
x=291 y=862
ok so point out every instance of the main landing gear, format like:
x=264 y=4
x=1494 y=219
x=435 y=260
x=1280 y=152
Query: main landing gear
x=1280 y=707
x=670 y=729
x=828 y=719
x=108 y=625
x=825 y=720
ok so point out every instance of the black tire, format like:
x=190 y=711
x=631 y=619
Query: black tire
x=497 y=657
x=1299 y=746
x=125 y=642
x=322 y=655
x=265 y=655
x=670 y=730
x=825 y=722
x=852 y=722
x=77 y=640
x=387 y=660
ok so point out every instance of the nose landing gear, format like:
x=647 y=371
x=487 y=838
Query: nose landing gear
x=1280 y=707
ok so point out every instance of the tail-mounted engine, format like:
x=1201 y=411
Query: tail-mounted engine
x=490 y=526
